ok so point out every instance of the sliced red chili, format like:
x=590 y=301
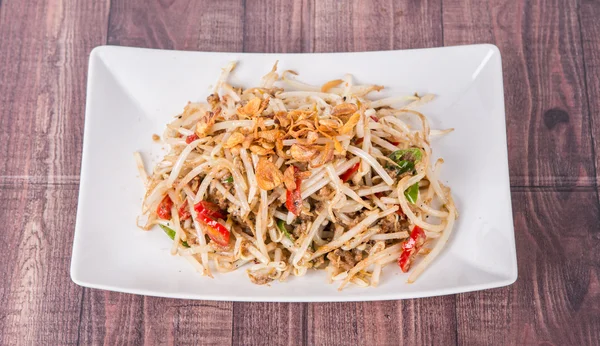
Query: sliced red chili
x=189 y=139
x=164 y=208
x=215 y=231
x=375 y=119
x=293 y=198
x=411 y=247
x=293 y=201
x=210 y=209
x=350 y=172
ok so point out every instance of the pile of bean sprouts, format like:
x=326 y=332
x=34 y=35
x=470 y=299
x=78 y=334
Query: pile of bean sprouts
x=330 y=148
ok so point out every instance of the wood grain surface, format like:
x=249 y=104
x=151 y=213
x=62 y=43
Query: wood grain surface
x=551 y=62
x=590 y=31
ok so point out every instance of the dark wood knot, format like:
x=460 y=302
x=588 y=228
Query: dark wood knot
x=555 y=116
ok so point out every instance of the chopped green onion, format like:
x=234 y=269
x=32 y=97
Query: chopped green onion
x=412 y=193
x=228 y=180
x=281 y=226
x=171 y=234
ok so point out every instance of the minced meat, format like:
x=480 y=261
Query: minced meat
x=389 y=224
x=342 y=259
x=300 y=229
x=220 y=200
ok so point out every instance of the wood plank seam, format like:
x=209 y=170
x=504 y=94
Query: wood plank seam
x=587 y=98
x=442 y=23
x=232 y=320
x=108 y=20
x=243 y=28
x=80 y=315
x=303 y=46
x=456 y=320
x=521 y=188
x=304 y=323
x=85 y=288
x=45 y=180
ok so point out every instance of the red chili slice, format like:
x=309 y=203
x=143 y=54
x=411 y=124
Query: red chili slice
x=293 y=198
x=350 y=172
x=375 y=119
x=189 y=139
x=293 y=201
x=411 y=247
x=215 y=231
x=164 y=208
x=210 y=209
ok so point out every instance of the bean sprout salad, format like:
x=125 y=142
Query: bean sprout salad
x=286 y=177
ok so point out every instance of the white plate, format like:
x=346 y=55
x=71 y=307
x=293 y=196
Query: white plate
x=133 y=93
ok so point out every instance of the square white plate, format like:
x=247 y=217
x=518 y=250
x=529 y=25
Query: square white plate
x=133 y=93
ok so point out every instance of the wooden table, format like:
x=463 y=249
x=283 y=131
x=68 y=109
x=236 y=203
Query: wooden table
x=551 y=59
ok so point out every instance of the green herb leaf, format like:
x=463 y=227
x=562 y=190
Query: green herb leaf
x=403 y=166
x=412 y=193
x=228 y=180
x=405 y=159
x=281 y=226
x=411 y=154
x=171 y=234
